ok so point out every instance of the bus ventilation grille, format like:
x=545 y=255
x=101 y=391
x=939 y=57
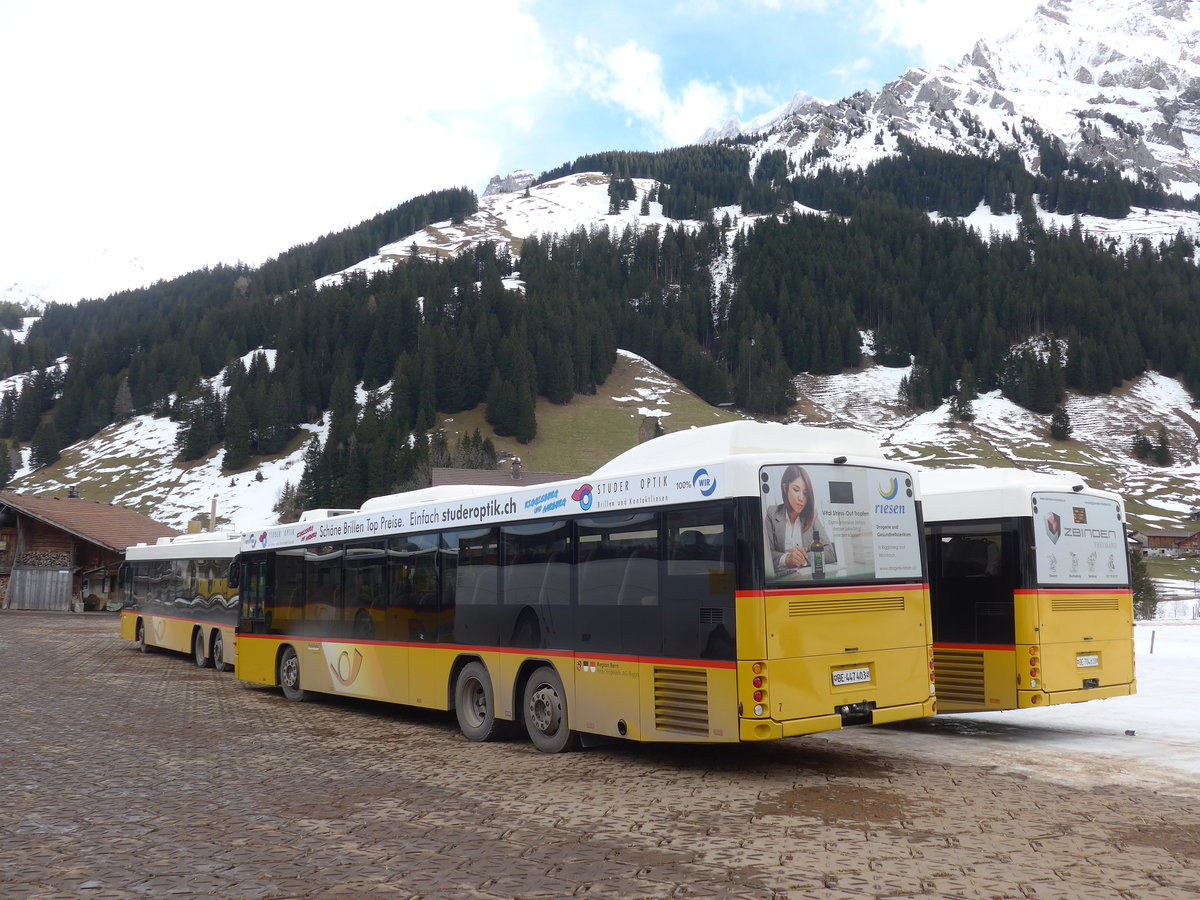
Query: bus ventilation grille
x=1084 y=604
x=838 y=606
x=959 y=675
x=711 y=615
x=681 y=700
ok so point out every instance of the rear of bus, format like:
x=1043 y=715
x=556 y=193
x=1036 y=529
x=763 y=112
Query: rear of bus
x=1030 y=590
x=1075 y=620
x=840 y=632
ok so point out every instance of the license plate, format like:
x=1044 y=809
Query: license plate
x=851 y=676
x=1085 y=662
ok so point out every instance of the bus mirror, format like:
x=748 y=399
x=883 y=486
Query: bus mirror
x=233 y=577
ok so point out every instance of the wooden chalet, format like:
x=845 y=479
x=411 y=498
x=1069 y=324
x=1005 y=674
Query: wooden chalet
x=1163 y=543
x=64 y=553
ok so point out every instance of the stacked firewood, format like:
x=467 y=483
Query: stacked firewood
x=44 y=559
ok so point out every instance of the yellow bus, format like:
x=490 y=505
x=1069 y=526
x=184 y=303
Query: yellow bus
x=1029 y=582
x=177 y=597
x=677 y=594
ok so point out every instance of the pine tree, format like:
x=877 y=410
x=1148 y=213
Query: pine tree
x=237 y=436
x=1162 y=449
x=6 y=468
x=1060 y=423
x=44 y=448
x=1145 y=594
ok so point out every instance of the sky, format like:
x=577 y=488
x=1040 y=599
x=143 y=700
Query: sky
x=141 y=139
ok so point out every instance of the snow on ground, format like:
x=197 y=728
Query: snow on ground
x=147 y=478
x=557 y=207
x=653 y=396
x=1147 y=739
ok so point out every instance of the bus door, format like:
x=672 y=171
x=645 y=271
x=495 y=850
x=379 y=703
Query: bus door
x=617 y=621
x=253 y=663
x=975 y=575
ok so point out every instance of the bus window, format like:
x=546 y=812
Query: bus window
x=414 y=613
x=323 y=592
x=477 y=618
x=537 y=583
x=698 y=585
x=617 y=609
x=365 y=590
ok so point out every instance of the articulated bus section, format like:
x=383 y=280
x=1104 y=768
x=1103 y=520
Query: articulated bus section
x=742 y=582
x=178 y=598
x=1030 y=591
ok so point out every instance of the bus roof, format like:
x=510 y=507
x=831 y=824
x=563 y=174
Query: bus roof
x=210 y=544
x=426 y=495
x=698 y=446
x=990 y=493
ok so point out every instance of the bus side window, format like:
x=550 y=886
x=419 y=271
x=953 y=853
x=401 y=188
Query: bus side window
x=698 y=586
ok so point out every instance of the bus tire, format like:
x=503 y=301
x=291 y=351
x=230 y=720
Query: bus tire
x=141 y=636
x=544 y=710
x=289 y=675
x=218 y=652
x=475 y=703
x=199 y=649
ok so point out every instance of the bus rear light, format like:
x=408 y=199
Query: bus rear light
x=757 y=668
x=759 y=710
x=1033 y=673
x=1033 y=661
x=758 y=681
x=758 y=696
x=1035 y=699
x=1033 y=651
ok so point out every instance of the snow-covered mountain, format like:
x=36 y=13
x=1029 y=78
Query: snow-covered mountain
x=1117 y=82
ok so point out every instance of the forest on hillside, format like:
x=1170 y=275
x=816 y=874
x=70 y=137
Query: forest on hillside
x=1031 y=315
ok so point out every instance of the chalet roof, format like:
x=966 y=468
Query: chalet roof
x=114 y=527
x=1173 y=535
x=503 y=476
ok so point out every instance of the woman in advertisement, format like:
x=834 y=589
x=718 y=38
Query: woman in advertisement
x=789 y=527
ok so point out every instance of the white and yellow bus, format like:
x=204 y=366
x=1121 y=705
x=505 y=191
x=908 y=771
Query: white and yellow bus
x=677 y=594
x=1029 y=582
x=177 y=596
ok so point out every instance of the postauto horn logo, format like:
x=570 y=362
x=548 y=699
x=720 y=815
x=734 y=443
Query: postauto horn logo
x=704 y=482
x=583 y=496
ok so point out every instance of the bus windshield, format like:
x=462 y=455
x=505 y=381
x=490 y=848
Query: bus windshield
x=838 y=522
x=1079 y=539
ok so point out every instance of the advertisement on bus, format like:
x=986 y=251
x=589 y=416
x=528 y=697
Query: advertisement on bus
x=1079 y=539
x=832 y=523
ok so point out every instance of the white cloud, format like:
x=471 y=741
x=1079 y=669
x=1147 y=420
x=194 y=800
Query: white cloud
x=193 y=135
x=851 y=71
x=630 y=77
x=943 y=30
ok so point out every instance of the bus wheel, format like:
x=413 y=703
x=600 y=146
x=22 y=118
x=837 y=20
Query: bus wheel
x=289 y=675
x=474 y=704
x=545 y=713
x=141 y=637
x=199 y=650
x=218 y=652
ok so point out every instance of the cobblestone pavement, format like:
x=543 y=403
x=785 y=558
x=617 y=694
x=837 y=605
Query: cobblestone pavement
x=132 y=776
